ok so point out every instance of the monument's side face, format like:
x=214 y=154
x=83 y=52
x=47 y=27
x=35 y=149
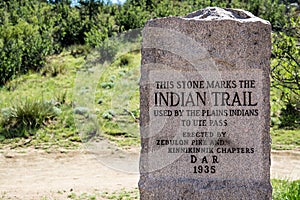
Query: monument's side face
x=205 y=107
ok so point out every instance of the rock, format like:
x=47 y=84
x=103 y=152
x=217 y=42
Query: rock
x=81 y=110
x=205 y=107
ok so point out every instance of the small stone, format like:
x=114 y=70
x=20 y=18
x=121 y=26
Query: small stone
x=81 y=110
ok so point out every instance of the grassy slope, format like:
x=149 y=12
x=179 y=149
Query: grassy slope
x=54 y=82
x=116 y=103
x=117 y=100
x=285 y=139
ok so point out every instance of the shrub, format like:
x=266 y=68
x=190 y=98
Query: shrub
x=109 y=114
x=132 y=15
x=95 y=36
x=125 y=60
x=22 y=49
x=53 y=69
x=25 y=37
x=80 y=50
x=289 y=117
x=27 y=115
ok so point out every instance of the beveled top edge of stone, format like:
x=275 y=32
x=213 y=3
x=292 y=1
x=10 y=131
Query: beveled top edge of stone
x=218 y=14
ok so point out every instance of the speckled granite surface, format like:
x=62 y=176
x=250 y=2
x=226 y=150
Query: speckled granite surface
x=205 y=107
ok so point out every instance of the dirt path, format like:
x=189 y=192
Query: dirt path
x=35 y=174
x=285 y=165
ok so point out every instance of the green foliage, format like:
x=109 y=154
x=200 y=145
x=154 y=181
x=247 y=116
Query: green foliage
x=58 y=132
x=100 y=25
x=108 y=49
x=272 y=10
x=289 y=190
x=24 y=39
x=286 y=72
x=68 y=25
x=95 y=36
x=122 y=194
x=83 y=196
x=290 y=117
x=286 y=64
x=31 y=30
x=10 y=53
x=109 y=114
x=132 y=15
x=165 y=8
x=80 y=50
x=117 y=105
x=27 y=115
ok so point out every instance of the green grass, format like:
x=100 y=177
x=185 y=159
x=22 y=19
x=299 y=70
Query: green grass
x=117 y=100
x=83 y=196
x=285 y=190
x=116 y=104
x=122 y=194
x=285 y=139
x=26 y=116
x=54 y=83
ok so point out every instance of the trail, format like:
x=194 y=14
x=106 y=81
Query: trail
x=34 y=174
x=285 y=165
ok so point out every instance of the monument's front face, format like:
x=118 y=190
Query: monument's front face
x=205 y=107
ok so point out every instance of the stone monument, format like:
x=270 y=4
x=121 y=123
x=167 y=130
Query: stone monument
x=205 y=107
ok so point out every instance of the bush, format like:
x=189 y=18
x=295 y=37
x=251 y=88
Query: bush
x=286 y=190
x=80 y=50
x=95 y=36
x=132 y=16
x=26 y=116
x=108 y=49
x=11 y=52
x=53 y=69
x=22 y=48
x=290 y=117
x=109 y=114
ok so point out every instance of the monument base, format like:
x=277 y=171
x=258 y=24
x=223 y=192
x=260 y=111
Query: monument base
x=197 y=189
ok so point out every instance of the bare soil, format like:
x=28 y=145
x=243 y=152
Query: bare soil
x=285 y=165
x=36 y=174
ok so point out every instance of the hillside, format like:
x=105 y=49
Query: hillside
x=112 y=112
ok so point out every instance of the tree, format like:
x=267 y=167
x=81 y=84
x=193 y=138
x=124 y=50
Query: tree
x=25 y=37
